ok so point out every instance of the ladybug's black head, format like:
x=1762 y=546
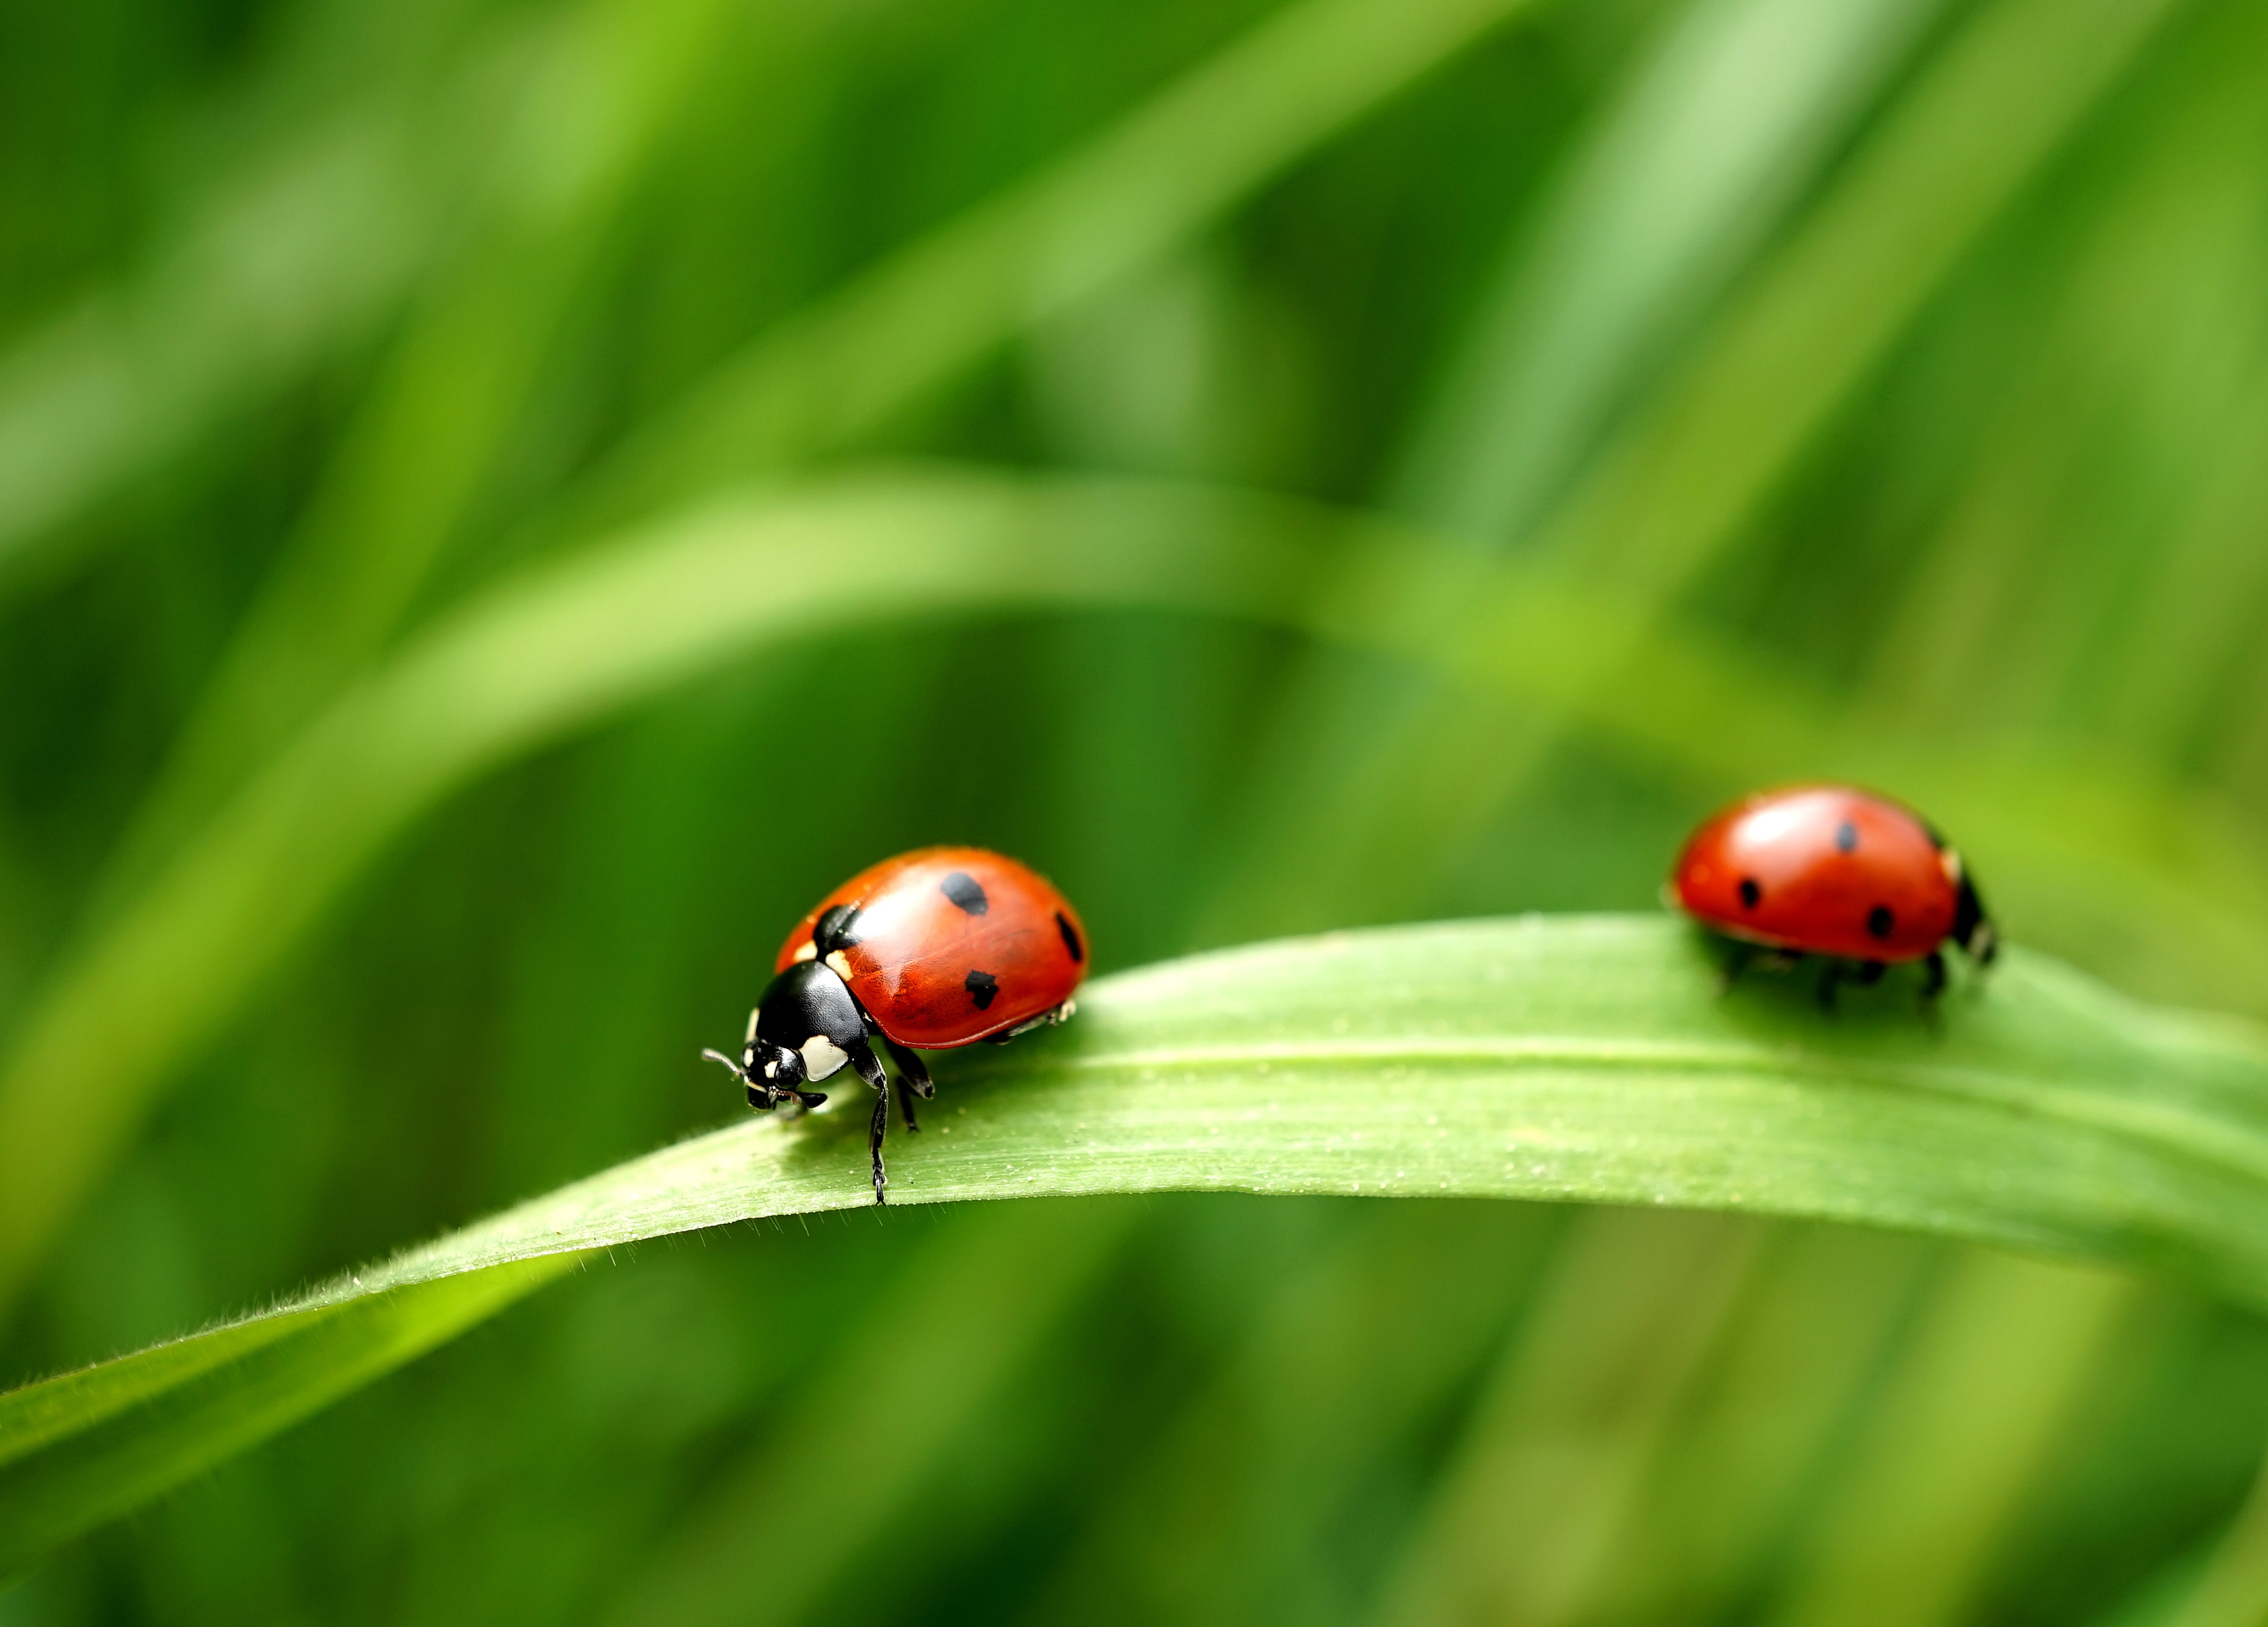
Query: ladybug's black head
x=775 y=1064
x=772 y=1073
x=1972 y=927
x=805 y=1028
x=794 y=1036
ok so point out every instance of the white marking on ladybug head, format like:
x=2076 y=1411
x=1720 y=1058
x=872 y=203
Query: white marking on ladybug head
x=840 y=964
x=771 y=1069
x=1949 y=861
x=749 y=1038
x=807 y=950
x=823 y=1057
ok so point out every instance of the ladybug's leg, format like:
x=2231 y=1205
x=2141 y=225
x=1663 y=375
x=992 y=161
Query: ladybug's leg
x=1741 y=956
x=1932 y=984
x=870 y=1069
x=1829 y=980
x=1870 y=972
x=913 y=1072
x=913 y=1080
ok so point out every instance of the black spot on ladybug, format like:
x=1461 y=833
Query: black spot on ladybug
x=1880 y=921
x=961 y=889
x=1847 y=837
x=1750 y=893
x=982 y=986
x=1070 y=935
x=836 y=929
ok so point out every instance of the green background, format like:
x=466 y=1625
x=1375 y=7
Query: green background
x=1878 y=392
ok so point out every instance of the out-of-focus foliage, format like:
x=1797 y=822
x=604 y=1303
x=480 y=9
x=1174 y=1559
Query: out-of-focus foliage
x=1873 y=389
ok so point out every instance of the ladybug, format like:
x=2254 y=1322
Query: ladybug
x=1831 y=871
x=937 y=948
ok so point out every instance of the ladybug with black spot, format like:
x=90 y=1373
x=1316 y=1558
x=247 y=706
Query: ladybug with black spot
x=1831 y=871
x=937 y=948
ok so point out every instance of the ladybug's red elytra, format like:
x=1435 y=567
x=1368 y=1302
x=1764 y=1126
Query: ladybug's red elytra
x=937 y=948
x=1831 y=871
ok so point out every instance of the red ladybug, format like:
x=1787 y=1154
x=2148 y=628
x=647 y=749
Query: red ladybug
x=939 y=947
x=1829 y=871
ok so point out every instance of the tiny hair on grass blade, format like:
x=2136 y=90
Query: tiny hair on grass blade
x=1583 y=1058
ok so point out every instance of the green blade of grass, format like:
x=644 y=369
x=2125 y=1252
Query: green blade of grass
x=87 y=1447
x=578 y=639
x=1578 y=1057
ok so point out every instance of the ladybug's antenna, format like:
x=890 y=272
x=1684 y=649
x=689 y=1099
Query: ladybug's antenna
x=763 y=1096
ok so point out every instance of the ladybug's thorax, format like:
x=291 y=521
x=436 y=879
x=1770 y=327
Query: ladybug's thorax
x=808 y=1010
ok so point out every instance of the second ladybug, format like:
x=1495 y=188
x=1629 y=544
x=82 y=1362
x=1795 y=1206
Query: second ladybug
x=1831 y=871
x=936 y=949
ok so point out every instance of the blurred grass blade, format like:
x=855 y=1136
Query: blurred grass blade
x=283 y=268
x=570 y=642
x=1569 y=1057
x=1569 y=1425
x=2145 y=376
x=1243 y=1470
x=1733 y=1481
x=289 y=267
x=436 y=420
x=2226 y=1587
x=970 y=1310
x=1673 y=493
x=1712 y=136
x=1961 y=1436
x=85 y=1448
x=1957 y=147
x=1144 y=187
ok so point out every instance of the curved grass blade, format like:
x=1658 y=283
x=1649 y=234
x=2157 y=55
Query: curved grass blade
x=1576 y=1058
x=81 y=1449
x=432 y=427
x=547 y=653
